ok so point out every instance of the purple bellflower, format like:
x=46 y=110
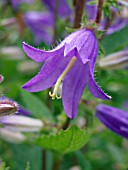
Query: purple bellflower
x=41 y=24
x=63 y=8
x=16 y=3
x=113 y=118
x=72 y=62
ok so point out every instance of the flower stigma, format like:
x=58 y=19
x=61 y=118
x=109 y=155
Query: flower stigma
x=67 y=69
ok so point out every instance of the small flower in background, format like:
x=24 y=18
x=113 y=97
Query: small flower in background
x=91 y=10
x=16 y=3
x=27 y=67
x=118 y=60
x=8 y=21
x=11 y=136
x=11 y=53
x=1 y=78
x=123 y=2
x=63 y=8
x=21 y=123
x=8 y=106
x=13 y=125
x=119 y=20
x=113 y=118
x=117 y=24
x=41 y=24
x=72 y=62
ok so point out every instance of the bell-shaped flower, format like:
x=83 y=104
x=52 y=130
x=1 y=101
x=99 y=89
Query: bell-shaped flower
x=62 y=6
x=72 y=63
x=41 y=25
x=113 y=118
x=21 y=123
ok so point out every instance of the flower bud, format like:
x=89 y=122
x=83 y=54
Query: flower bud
x=21 y=123
x=123 y=2
x=113 y=118
x=27 y=67
x=12 y=53
x=10 y=136
x=7 y=107
x=1 y=78
x=8 y=21
x=116 y=60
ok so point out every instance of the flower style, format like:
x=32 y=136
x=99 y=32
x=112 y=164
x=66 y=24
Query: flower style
x=72 y=62
x=41 y=24
x=63 y=8
x=15 y=3
x=115 y=119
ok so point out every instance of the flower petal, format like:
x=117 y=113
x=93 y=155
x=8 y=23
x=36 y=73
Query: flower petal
x=40 y=55
x=94 y=89
x=87 y=48
x=48 y=75
x=76 y=40
x=73 y=87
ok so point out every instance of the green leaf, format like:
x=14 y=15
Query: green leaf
x=65 y=141
x=36 y=106
x=93 y=2
x=83 y=163
x=116 y=41
x=84 y=19
x=26 y=155
x=3 y=166
x=70 y=30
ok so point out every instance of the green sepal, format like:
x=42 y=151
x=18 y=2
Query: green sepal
x=71 y=30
